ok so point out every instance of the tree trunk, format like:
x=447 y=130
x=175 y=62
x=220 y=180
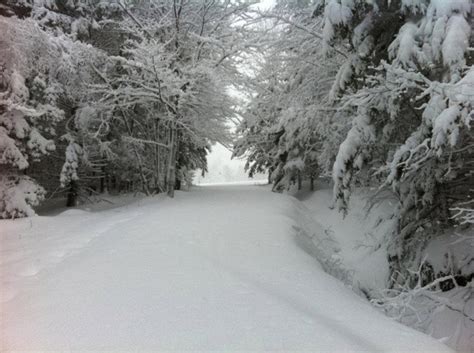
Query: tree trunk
x=171 y=173
x=156 y=158
x=102 y=181
x=178 y=184
x=72 y=194
x=137 y=155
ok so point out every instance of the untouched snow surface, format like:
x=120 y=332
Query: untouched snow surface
x=214 y=268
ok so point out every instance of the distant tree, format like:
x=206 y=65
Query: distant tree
x=289 y=127
x=169 y=88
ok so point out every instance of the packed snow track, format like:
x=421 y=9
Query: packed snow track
x=214 y=268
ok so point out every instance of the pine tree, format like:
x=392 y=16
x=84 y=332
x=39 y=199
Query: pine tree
x=28 y=112
x=406 y=80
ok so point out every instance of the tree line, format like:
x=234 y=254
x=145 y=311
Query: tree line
x=371 y=93
x=113 y=95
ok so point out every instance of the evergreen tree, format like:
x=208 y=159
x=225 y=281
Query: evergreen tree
x=290 y=127
x=28 y=111
x=406 y=80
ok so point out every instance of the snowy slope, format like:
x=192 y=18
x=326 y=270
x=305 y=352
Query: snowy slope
x=358 y=235
x=357 y=254
x=214 y=268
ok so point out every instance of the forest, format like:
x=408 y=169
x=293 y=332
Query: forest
x=367 y=97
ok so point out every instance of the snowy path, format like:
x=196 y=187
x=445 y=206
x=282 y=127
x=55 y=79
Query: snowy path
x=215 y=268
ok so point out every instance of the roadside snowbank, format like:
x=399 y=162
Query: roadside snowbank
x=354 y=250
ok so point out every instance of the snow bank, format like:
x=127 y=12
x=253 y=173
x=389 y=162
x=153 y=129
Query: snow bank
x=358 y=236
x=354 y=250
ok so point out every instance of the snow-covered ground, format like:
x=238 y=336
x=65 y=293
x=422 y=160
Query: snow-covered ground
x=224 y=268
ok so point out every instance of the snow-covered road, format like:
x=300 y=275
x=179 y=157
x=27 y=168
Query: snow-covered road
x=214 y=268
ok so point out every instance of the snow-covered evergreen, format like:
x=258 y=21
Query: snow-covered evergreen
x=28 y=112
x=413 y=118
x=289 y=128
